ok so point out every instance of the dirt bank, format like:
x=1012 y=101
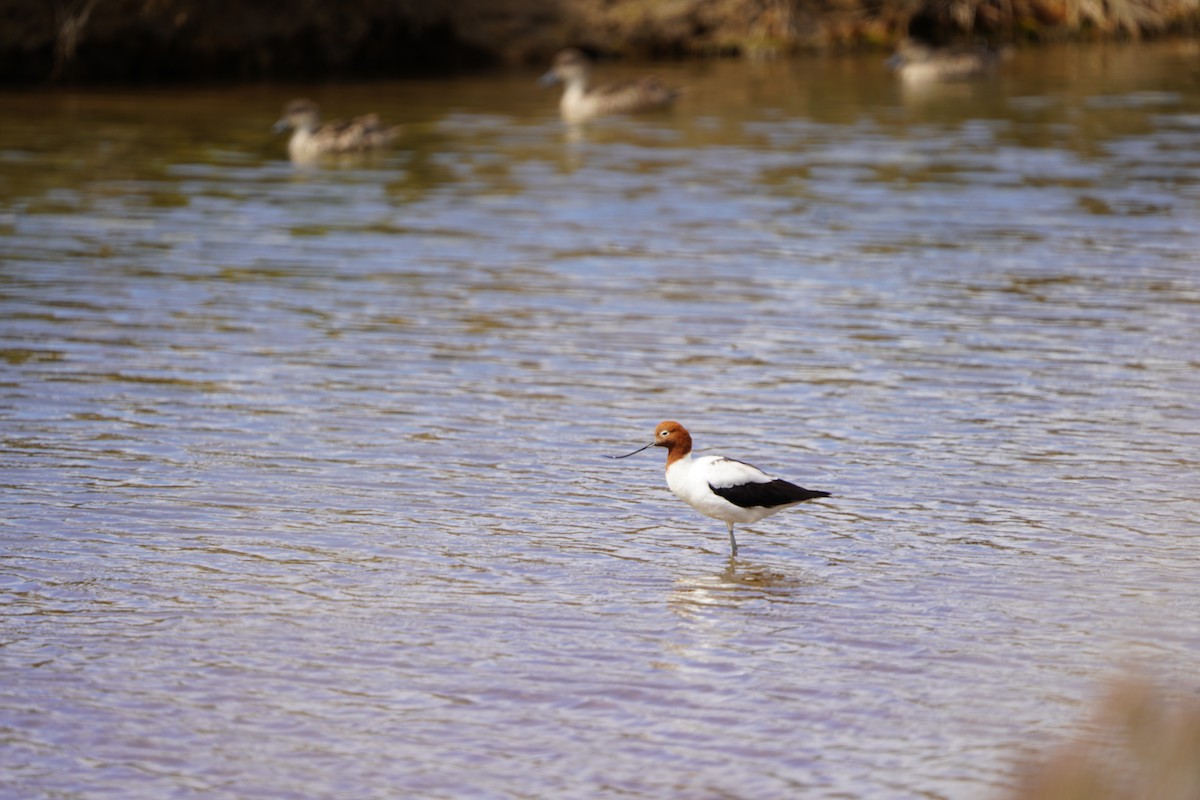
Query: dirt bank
x=176 y=40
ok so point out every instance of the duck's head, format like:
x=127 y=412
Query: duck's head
x=301 y=114
x=569 y=66
x=909 y=51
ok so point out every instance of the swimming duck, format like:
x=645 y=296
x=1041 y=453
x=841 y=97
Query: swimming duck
x=916 y=62
x=580 y=103
x=310 y=139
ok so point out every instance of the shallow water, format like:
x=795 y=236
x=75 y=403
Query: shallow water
x=304 y=481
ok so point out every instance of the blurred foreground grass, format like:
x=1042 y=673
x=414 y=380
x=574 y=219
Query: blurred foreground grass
x=1143 y=743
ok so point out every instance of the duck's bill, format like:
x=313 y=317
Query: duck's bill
x=635 y=452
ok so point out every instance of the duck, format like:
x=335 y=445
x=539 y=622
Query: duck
x=581 y=102
x=917 y=62
x=310 y=139
x=723 y=488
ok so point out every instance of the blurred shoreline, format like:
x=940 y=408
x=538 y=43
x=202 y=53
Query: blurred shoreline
x=176 y=41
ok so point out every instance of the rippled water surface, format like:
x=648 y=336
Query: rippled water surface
x=304 y=488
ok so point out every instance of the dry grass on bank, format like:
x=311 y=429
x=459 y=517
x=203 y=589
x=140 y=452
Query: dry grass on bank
x=1143 y=744
x=154 y=40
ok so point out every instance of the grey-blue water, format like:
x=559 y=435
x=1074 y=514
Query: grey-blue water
x=304 y=481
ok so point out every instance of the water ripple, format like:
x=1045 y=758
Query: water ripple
x=304 y=470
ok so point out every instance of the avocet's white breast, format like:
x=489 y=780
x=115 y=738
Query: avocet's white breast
x=692 y=480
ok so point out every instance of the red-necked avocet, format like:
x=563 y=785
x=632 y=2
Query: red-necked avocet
x=719 y=487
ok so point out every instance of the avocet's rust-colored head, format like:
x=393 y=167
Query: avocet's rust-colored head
x=673 y=436
x=668 y=432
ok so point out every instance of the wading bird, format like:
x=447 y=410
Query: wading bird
x=719 y=487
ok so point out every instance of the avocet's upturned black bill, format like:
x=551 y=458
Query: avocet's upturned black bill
x=635 y=452
x=722 y=488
